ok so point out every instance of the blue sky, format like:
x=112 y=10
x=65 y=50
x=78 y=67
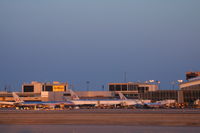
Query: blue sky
x=97 y=41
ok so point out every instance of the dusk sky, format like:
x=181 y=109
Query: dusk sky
x=97 y=41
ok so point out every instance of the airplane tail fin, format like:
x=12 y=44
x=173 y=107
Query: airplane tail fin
x=17 y=98
x=73 y=95
x=122 y=97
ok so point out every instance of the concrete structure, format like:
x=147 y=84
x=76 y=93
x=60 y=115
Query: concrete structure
x=190 y=75
x=132 y=87
x=190 y=90
x=56 y=91
x=26 y=96
x=160 y=95
x=34 y=86
x=95 y=94
x=38 y=87
x=190 y=96
x=180 y=97
x=192 y=84
x=188 y=93
x=55 y=96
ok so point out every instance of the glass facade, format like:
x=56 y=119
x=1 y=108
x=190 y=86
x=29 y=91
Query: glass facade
x=111 y=88
x=124 y=87
x=192 y=87
x=28 y=88
x=118 y=88
x=127 y=87
x=48 y=88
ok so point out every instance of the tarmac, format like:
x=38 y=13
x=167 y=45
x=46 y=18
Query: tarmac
x=125 y=117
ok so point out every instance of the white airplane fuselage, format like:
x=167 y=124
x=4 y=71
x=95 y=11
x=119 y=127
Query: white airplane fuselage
x=96 y=102
x=7 y=103
x=105 y=102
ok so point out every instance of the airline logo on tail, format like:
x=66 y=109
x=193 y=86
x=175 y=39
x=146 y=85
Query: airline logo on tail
x=17 y=98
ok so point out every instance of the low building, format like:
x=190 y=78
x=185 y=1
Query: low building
x=55 y=96
x=55 y=91
x=160 y=95
x=190 y=96
x=38 y=87
x=132 y=89
x=26 y=96
x=191 y=88
x=192 y=84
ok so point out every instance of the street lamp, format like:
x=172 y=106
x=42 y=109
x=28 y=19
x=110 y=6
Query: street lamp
x=151 y=81
x=158 y=83
x=180 y=81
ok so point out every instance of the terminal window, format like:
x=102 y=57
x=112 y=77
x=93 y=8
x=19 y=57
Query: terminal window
x=132 y=87
x=66 y=94
x=118 y=87
x=111 y=87
x=48 y=88
x=124 y=87
x=28 y=88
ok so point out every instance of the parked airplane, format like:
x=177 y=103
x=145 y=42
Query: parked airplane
x=160 y=104
x=129 y=102
x=92 y=102
x=153 y=105
x=19 y=102
x=8 y=103
x=123 y=101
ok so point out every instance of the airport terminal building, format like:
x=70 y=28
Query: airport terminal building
x=191 y=88
x=132 y=89
x=38 y=87
x=188 y=91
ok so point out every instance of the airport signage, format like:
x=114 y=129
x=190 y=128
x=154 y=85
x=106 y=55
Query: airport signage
x=58 y=88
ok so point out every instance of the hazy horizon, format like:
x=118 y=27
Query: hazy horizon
x=97 y=41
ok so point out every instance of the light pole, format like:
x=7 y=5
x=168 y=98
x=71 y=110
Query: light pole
x=173 y=84
x=151 y=81
x=87 y=83
x=103 y=87
x=158 y=83
x=124 y=77
x=155 y=82
x=180 y=81
x=176 y=83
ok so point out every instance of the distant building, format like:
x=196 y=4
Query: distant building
x=193 y=81
x=38 y=87
x=55 y=91
x=132 y=89
x=191 y=89
x=160 y=95
x=37 y=91
x=191 y=85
